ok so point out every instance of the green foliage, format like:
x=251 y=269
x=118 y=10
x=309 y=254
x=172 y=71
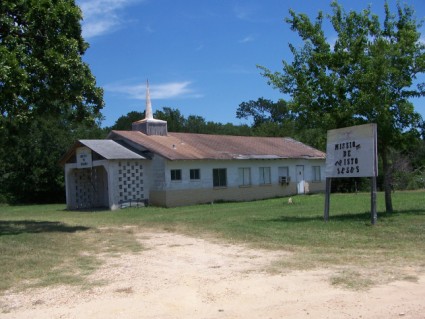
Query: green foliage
x=124 y=122
x=366 y=76
x=416 y=153
x=41 y=69
x=195 y=124
x=265 y=111
x=409 y=180
x=29 y=155
x=48 y=95
x=277 y=119
x=176 y=122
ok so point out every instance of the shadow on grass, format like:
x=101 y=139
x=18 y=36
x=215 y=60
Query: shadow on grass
x=342 y=217
x=365 y=216
x=87 y=210
x=16 y=227
x=409 y=212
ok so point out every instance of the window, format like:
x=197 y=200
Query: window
x=284 y=171
x=219 y=177
x=244 y=176
x=195 y=174
x=265 y=175
x=283 y=175
x=176 y=174
x=316 y=174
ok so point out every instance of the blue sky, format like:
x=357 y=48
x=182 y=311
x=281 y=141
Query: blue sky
x=200 y=56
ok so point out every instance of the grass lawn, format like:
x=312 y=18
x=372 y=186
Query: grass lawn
x=45 y=244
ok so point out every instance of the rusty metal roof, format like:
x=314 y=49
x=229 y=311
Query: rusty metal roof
x=188 y=146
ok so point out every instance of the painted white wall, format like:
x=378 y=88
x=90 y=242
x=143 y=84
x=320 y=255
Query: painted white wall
x=157 y=177
x=232 y=166
x=156 y=173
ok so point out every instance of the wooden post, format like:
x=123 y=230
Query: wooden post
x=327 y=198
x=373 y=214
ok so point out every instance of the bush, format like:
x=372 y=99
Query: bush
x=417 y=180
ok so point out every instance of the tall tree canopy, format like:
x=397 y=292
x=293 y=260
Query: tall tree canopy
x=47 y=95
x=41 y=67
x=276 y=119
x=176 y=122
x=366 y=76
x=124 y=122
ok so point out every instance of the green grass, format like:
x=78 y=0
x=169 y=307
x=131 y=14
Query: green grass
x=46 y=245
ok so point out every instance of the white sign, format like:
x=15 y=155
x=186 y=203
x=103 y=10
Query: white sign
x=84 y=158
x=352 y=152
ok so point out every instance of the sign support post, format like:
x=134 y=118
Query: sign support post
x=373 y=214
x=327 y=198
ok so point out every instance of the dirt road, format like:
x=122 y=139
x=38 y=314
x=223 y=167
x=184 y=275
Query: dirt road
x=184 y=277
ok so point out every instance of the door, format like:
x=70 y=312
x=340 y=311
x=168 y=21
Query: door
x=300 y=179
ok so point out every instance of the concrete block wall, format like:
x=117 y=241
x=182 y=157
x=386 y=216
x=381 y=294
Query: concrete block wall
x=127 y=182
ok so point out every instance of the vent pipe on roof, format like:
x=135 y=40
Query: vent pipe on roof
x=149 y=125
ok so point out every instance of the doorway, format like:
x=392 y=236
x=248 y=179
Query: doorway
x=91 y=188
x=300 y=179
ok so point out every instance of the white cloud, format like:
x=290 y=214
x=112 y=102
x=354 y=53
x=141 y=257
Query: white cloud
x=248 y=38
x=158 y=91
x=243 y=12
x=149 y=29
x=249 y=12
x=102 y=16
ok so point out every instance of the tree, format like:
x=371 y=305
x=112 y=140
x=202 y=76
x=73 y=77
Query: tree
x=264 y=110
x=228 y=129
x=47 y=93
x=29 y=169
x=366 y=76
x=175 y=120
x=125 y=122
x=277 y=119
x=195 y=124
x=42 y=71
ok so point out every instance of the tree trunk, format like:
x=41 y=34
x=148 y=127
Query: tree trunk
x=387 y=181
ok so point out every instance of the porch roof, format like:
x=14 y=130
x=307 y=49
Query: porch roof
x=108 y=149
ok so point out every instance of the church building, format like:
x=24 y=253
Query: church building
x=149 y=165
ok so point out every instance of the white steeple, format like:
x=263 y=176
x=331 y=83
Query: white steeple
x=149 y=125
x=148 y=114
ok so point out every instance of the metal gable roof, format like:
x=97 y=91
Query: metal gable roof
x=110 y=149
x=107 y=149
x=188 y=146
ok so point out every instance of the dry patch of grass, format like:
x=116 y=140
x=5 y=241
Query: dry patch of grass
x=53 y=257
x=125 y=290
